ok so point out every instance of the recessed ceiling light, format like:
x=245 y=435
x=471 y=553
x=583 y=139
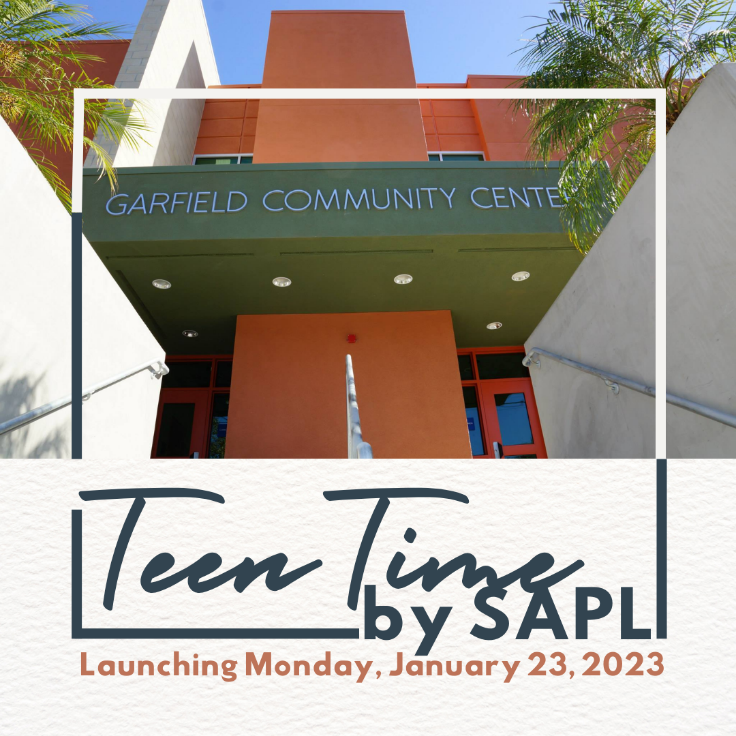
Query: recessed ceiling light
x=190 y=333
x=403 y=278
x=161 y=283
x=520 y=276
x=494 y=326
x=281 y=281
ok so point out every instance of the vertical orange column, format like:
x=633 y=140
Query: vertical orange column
x=504 y=133
x=339 y=49
x=287 y=398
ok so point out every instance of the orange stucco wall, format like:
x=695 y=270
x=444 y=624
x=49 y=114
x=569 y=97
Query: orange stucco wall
x=504 y=135
x=287 y=397
x=228 y=126
x=339 y=49
x=356 y=49
x=450 y=125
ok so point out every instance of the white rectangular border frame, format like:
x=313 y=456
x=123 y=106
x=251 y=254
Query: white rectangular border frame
x=435 y=93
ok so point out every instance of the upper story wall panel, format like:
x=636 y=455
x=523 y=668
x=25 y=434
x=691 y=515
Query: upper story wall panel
x=228 y=126
x=339 y=49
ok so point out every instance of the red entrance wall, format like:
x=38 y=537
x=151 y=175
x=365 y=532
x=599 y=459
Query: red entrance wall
x=339 y=49
x=287 y=397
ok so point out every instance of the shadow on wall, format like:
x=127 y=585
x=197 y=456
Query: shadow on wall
x=180 y=147
x=17 y=396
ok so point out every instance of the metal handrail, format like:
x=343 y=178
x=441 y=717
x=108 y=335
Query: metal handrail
x=705 y=411
x=157 y=367
x=357 y=449
x=613 y=382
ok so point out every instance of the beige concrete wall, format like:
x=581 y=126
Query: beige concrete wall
x=171 y=48
x=604 y=317
x=701 y=267
x=35 y=329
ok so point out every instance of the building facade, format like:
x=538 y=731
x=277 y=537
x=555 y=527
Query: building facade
x=253 y=245
x=412 y=235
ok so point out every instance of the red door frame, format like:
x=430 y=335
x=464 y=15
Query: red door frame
x=489 y=427
x=167 y=394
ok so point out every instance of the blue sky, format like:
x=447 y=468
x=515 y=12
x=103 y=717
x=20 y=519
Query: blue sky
x=449 y=38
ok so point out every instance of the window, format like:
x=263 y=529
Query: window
x=513 y=419
x=437 y=156
x=500 y=365
x=189 y=374
x=246 y=158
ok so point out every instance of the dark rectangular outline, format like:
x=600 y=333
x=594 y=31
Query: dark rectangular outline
x=79 y=632
x=76 y=335
x=661 y=549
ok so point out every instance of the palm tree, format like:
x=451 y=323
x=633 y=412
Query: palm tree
x=666 y=44
x=40 y=65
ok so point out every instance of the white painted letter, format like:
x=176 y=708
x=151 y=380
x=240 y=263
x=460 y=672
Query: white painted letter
x=267 y=195
x=297 y=191
x=550 y=197
x=121 y=212
x=136 y=206
x=496 y=197
x=326 y=205
x=518 y=196
x=472 y=198
x=429 y=191
x=197 y=202
x=174 y=202
x=229 y=201
x=349 y=194
x=449 y=196
x=398 y=195
x=214 y=204
x=388 y=200
x=163 y=204
x=536 y=191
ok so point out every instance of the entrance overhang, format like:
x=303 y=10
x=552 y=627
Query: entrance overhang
x=341 y=233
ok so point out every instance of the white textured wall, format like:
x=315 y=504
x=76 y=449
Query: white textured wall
x=35 y=328
x=600 y=512
x=604 y=317
x=701 y=267
x=117 y=423
x=171 y=47
x=35 y=305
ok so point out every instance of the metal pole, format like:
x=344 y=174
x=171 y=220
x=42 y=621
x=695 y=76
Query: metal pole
x=357 y=449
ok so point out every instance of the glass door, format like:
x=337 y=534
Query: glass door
x=193 y=407
x=181 y=425
x=499 y=404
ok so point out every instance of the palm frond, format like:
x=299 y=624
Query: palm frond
x=38 y=46
x=638 y=44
